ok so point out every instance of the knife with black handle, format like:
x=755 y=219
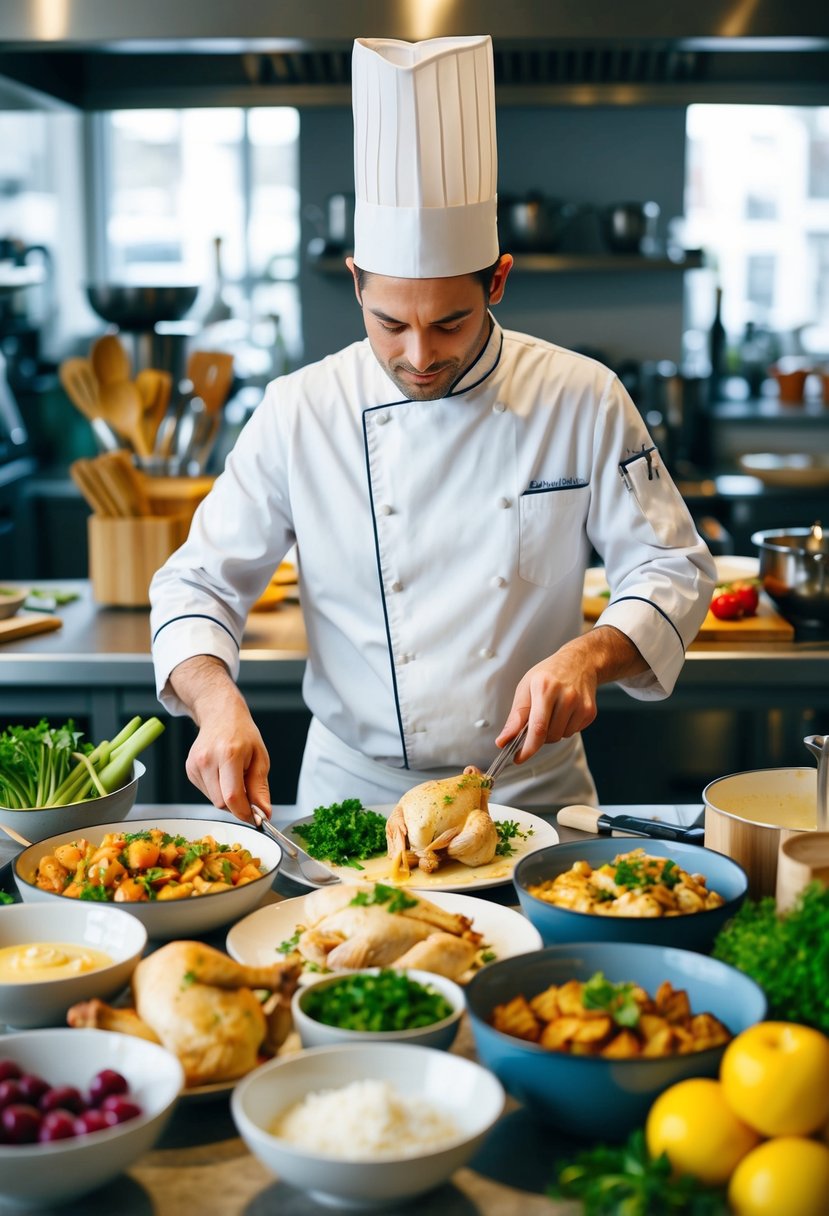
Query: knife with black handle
x=588 y=819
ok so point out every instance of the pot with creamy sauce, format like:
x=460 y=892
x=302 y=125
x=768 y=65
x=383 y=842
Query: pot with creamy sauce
x=747 y=815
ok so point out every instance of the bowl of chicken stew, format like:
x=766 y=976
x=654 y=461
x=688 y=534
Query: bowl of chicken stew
x=625 y=890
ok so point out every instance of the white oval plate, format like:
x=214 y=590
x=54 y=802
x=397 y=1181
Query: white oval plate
x=254 y=940
x=450 y=875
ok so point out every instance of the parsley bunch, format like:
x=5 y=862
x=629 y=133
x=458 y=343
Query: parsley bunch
x=344 y=833
x=35 y=760
x=624 y=1180
x=787 y=955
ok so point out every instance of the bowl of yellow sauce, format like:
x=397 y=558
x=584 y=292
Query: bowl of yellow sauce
x=50 y=960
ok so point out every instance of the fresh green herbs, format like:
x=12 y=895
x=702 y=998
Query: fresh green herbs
x=42 y=766
x=290 y=944
x=508 y=831
x=387 y=1001
x=393 y=898
x=5 y=898
x=642 y=872
x=616 y=999
x=624 y=1180
x=344 y=833
x=787 y=954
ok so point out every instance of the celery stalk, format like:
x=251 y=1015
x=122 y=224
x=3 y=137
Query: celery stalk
x=117 y=773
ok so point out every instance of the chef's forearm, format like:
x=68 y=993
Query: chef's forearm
x=203 y=685
x=608 y=651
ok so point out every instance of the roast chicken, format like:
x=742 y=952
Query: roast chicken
x=447 y=818
x=199 y=1004
x=341 y=934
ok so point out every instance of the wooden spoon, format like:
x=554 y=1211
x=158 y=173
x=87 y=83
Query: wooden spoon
x=122 y=407
x=154 y=387
x=109 y=360
x=211 y=372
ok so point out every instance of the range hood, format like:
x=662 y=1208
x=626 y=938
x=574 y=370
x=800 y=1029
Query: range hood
x=106 y=54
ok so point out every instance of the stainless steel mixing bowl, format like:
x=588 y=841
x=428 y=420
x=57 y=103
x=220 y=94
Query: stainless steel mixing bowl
x=794 y=568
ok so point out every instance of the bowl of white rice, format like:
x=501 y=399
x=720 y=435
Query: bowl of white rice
x=366 y=1125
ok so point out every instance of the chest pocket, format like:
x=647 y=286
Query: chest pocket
x=659 y=512
x=551 y=533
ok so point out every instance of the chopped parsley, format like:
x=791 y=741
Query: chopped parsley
x=344 y=833
x=291 y=943
x=5 y=898
x=188 y=979
x=395 y=899
x=388 y=1001
x=508 y=830
x=615 y=999
x=95 y=891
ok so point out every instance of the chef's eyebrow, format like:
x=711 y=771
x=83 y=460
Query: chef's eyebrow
x=452 y=316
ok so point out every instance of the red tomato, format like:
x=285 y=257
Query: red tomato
x=727 y=606
x=748 y=595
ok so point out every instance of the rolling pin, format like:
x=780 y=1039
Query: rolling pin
x=588 y=819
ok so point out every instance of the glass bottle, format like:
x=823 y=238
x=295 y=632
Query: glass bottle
x=717 y=350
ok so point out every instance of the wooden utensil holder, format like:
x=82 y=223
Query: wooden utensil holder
x=176 y=495
x=124 y=554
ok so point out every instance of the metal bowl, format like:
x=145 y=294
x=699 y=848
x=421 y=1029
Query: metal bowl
x=794 y=568
x=134 y=307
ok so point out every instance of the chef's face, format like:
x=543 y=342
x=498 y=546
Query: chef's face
x=425 y=333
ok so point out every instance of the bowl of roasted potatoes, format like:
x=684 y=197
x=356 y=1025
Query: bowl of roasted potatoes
x=613 y=889
x=588 y=1034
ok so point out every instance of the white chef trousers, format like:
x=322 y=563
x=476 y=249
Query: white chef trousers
x=331 y=771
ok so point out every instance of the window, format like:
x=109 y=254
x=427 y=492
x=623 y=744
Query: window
x=757 y=202
x=185 y=189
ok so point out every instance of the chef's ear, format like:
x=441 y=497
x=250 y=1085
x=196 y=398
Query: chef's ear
x=499 y=278
x=356 y=274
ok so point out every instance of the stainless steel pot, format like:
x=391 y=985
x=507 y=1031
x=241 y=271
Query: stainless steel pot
x=629 y=227
x=794 y=568
x=533 y=224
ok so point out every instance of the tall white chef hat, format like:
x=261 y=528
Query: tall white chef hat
x=425 y=158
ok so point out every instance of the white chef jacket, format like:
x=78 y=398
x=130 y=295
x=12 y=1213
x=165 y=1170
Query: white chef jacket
x=441 y=551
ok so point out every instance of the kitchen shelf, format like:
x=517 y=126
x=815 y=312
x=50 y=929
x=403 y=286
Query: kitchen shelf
x=562 y=263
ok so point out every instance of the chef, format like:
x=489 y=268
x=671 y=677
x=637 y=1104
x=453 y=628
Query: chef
x=444 y=482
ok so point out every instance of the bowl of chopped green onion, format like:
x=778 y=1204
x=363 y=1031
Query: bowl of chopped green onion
x=379 y=1004
x=11 y=598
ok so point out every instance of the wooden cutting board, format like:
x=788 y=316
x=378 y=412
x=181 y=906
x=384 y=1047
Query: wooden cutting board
x=22 y=624
x=766 y=626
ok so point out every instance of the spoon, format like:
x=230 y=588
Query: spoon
x=13 y=835
x=109 y=359
x=121 y=406
x=154 y=387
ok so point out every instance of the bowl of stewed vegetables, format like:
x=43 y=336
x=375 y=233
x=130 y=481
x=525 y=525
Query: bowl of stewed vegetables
x=379 y=1004
x=179 y=877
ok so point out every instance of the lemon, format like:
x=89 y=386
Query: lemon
x=695 y=1126
x=787 y=1176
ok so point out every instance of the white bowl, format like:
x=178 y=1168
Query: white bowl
x=441 y=1035
x=177 y=918
x=11 y=598
x=467 y=1093
x=36 y=1175
x=40 y=822
x=44 y=1002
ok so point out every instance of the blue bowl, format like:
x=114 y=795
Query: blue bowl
x=593 y=1096
x=694 y=931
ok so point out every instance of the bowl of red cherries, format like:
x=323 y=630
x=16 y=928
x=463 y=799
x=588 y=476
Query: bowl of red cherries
x=77 y=1107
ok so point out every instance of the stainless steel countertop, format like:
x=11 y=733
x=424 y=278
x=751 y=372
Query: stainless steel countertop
x=103 y=647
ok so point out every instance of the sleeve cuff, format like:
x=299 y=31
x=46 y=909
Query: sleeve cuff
x=184 y=639
x=657 y=640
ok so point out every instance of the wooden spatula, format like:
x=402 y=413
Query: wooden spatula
x=81 y=384
x=211 y=373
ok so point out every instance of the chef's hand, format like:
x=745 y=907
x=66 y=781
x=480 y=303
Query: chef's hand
x=557 y=697
x=228 y=762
